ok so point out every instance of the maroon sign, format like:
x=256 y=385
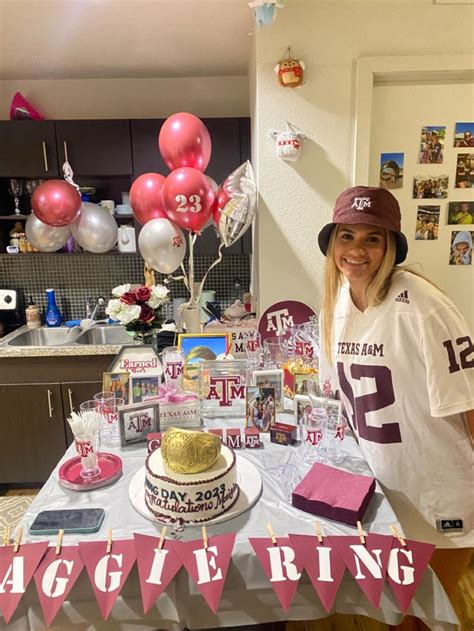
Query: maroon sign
x=207 y=566
x=16 y=571
x=366 y=562
x=156 y=567
x=107 y=572
x=323 y=565
x=283 y=315
x=406 y=566
x=55 y=577
x=281 y=566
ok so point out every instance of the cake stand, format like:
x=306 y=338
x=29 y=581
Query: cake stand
x=248 y=479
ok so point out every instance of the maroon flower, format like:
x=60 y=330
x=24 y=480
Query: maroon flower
x=143 y=293
x=147 y=314
x=128 y=298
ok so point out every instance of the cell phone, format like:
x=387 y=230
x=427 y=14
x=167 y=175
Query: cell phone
x=50 y=522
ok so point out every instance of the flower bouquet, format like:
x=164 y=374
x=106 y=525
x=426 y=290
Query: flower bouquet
x=138 y=309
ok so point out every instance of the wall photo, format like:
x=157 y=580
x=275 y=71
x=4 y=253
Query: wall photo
x=427 y=223
x=464 y=135
x=465 y=170
x=391 y=170
x=461 y=248
x=460 y=213
x=430 y=187
x=431 y=145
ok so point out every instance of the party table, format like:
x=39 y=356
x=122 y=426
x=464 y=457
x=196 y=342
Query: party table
x=248 y=597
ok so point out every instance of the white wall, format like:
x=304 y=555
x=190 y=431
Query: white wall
x=297 y=198
x=130 y=98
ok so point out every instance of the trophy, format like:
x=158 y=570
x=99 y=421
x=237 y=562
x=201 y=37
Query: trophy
x=15 y=188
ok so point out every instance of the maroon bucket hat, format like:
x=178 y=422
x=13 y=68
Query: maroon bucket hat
x=370 y=205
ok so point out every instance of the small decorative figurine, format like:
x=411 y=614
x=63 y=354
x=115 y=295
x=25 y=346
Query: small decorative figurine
x=288 y=142
x=290 y=72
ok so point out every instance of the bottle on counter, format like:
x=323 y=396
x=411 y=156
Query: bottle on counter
x=53 y=315
x=32 y=313
x=237 y=293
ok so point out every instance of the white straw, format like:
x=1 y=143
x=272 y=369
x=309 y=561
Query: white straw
x=84 y=426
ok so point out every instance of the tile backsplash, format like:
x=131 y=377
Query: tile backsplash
x=75 y=277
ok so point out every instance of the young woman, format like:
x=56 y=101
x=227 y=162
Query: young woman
x=401 y=356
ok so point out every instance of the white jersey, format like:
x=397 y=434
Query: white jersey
x=405 y=372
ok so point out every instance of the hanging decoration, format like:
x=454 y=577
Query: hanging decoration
x=56 y=203
x=265 y=10
x=288 y=142
x=290 y=71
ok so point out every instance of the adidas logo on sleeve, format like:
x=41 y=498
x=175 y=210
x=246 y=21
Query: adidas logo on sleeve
x=403 y=297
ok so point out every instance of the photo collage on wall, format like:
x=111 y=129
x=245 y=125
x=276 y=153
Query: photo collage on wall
x=433 y=145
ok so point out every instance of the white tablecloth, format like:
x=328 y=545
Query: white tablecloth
x=247 y=597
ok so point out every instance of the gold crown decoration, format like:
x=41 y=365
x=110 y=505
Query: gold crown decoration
x=187 y=451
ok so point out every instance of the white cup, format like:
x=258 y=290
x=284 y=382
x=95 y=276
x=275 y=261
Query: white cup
x=109 y=205
x=125 y=198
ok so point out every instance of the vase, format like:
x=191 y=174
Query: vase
x=192 y=319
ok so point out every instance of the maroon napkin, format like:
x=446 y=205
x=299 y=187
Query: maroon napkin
x=334 y=493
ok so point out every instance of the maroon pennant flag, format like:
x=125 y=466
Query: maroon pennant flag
x=406 y=566
x=366 y=562
x=55 y=577
x=207 y=567
x=16 y=571
x=281 y=566
x=323 y=565
x=156 y=567
x=107 y=572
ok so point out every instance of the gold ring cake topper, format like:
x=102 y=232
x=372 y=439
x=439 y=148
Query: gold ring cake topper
x=186 y=451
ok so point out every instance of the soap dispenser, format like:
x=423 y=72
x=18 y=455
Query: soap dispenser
x=53 y=315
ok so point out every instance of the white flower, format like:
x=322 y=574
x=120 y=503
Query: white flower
x=128 y=313
x=159 y=295
x=113 y=308
x=120 y=290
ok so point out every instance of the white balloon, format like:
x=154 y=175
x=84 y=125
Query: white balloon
x=43 y=237
x=162 y=245
x=95 y=229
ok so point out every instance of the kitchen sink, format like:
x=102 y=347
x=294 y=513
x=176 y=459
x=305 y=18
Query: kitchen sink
x=105 y=335
x=44 y=336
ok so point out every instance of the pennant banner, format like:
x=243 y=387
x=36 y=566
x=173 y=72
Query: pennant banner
x=281 y=566
x=156 y=567
x=406 y=566
x=107 y=572
x=55 y=577
x=324 y=566
x=207 y=566
x=16 y=571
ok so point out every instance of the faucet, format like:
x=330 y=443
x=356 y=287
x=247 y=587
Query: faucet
x=92 y=309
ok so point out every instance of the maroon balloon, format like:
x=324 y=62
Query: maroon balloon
x=146 y=199
x=188 y=197
x=184 y=141
x=56 y=203
x=222 y=197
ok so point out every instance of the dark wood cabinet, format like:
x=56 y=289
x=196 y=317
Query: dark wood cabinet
x=33 y=437
x=28 y=149
x=146 y=155
x=73 y=394
x=95 y=147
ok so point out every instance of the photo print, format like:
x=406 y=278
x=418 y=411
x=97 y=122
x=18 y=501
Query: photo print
x=465 y=170
x=460 y=213
x=260 y=408
x=430 y=187
x=137 y=421
x=427 y=223
x=144 y=387
x=464 y=135
x=301 y=383
x=391 y=170
x=271 y=379
x=461 y=247
x=118 y=383
x=431 y=145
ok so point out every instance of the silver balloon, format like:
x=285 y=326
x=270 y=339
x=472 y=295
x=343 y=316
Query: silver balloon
x=235 y=213
x=95 y=229
x=162 y=245
x=43 y=237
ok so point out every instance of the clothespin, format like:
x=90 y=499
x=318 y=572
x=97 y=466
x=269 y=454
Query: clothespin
x=162 y=537
x=361 y=533
x=204 y=536
x=317 y=527
x=18 y=540
x=109 y=542
x=6 y=536
x=60 y=541
x=272 y=534
x=397 y=535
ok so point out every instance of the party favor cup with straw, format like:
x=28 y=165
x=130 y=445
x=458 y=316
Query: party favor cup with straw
x=85 y=427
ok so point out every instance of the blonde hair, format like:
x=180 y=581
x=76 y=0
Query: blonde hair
x=376 y=291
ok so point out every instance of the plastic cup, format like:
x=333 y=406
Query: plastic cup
x=109 y=430
x=173 y=362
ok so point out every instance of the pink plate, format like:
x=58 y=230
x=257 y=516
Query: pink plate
x=70 y=473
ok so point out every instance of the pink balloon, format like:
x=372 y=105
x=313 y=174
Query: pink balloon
x=184 y=141
x=56 y=203
x=188 y=197
x=222 y=197
x=146 y=199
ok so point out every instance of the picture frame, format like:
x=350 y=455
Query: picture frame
x=136 y=421
x=118 y=383
x=300 y=383
x=137 y=359
x=199 y=347
x=143 y=386
x=301 y=403
x=272 y=378
x=260 y=408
